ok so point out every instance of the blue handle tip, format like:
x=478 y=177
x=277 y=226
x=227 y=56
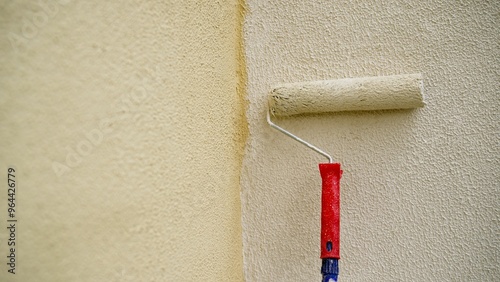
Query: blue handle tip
x=330 y=270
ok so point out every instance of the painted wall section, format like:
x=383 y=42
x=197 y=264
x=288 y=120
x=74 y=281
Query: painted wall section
x=420 y=198
x=125 y=122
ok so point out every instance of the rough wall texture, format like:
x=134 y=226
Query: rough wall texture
x=420 y=197
x=124 y=122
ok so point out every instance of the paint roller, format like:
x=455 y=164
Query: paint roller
x=349 y=94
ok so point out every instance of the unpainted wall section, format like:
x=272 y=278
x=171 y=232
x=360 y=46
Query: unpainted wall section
x=420 y=188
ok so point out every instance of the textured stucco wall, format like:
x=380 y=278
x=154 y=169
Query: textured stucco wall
x=420 y=197
x=125 y=121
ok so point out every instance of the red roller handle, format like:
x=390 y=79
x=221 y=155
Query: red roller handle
x=330 y=210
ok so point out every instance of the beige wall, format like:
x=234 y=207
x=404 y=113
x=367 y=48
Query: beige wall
x=125 y=122
x=420 y=189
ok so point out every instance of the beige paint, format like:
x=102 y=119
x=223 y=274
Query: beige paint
x=125 y=121
x=349 y=94
x=420 y=197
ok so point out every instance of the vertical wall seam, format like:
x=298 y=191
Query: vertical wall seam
x=241 y=89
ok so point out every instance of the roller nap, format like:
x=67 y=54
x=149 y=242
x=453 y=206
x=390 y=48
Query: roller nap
x=349 y=94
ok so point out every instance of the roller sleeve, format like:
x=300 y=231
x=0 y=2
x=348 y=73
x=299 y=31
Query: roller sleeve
x=348 y=94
